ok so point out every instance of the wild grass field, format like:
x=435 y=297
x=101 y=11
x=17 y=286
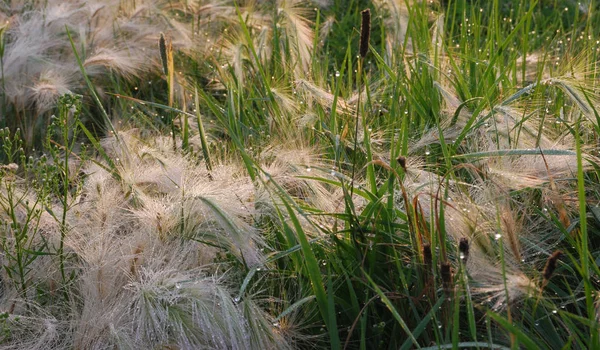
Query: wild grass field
x=286 y=174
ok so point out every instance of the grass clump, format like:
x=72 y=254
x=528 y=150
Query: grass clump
x=386 y=174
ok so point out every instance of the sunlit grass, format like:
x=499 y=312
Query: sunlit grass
x=264 y=175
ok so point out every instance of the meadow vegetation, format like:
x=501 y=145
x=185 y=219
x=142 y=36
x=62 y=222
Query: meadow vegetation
x=385 y=174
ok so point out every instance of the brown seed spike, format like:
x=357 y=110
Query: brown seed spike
x=551 y=265
x=446 y=273
x=365 y=32
x=402 y=161
x=427 y=257
x=463 y=248
x=162 y=48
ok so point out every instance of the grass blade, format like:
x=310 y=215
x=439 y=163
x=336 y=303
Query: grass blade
x=393 y=310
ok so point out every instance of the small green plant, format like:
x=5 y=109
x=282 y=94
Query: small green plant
x=21 y=211
x=62 y=171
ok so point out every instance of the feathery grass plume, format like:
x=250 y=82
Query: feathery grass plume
x=365 y=33
x=286 y=101
x=287 y=165
x=35 y=329
x=510 y=228
x=175 y=197
x=325 y=29
x=574 y=89
x=236 y=54
x=296 y=38
x=112 y=36
x=550 y=266
x=493 y=287
x=284 y=117
x=320 y=96
x=121 y=61
x=178 y=302
x=297 y=25
x=51 y=84
x=396 y=24
x=192 y=312
x=463 y=248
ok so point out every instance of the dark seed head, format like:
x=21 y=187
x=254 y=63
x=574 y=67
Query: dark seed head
x=402 y=161
x=463 y=248
x=162 y=48
x=446 y=274
x=427 y=257
x=551 y=265
x=365 y=32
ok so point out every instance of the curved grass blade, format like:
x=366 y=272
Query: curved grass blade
x=294 y=306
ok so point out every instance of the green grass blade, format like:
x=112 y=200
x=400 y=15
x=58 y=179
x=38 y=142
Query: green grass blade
x=392 y=309
x=90 y=85
x=294 y=306
x=422 y=325
x=314 y=273
x=519 y=334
